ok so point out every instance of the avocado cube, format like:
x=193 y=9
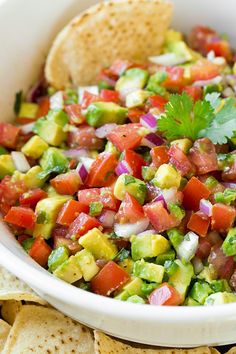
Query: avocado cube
x=171 y=267
x=200 y=291
x=87 y=264
x=47 y=210
x=183 y=144
x=167 y=256
x=220 y=285
x=127 y=264
x=69 y=270
x=53 y=160
x=7 y=166
x=134 y=287
x=166 y=177
x=229 y=244
x=154 y=83
x=109 y=147
x=181 y=279
x=136 y=98
x=98 y=244
x=136 y=299
x=50 y=131
x=100 y=113
x=129 y=184
x=133 y=79
x=34 y=147
x=58 y=116
x=191 y=302
x=175 y=237
x=208 y=274
x=148 y=172
x=148 y=246
x=32 y=177
x=173 y=36
x=57 y=257
x=181 y=49
x=220 y=299
x=28 y=110
x=148 y=271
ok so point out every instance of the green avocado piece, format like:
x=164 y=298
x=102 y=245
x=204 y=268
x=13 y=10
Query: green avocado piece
x=32 y=177
x=148 y=172
x=69 y=270
x=87 y=264
x=47 y=210
x=229 y=244
x=148 y=246
x=155 y=81
x=53 y=160
x=133 y=79
x=148 y=271
x=50 y=131
x=208 y=274
x=220 y=285
x=183 y=144
x=34 y=147
x=166 y=177
x=129 y=184
x=171 y=267
x=220 y=299
x=127 y=264
x=167 y=256
x=200 y=291
x=58 y=116
x=100 y=113
x=109 y=147
x=7 y=166
x=181 y=279
x=172 y=36
x=57 y=257
x=28 y=110
x=181 y=49
x=134 y=287
x=175 y=237
x=136 y=299
x=137 y=98
x=191 y=302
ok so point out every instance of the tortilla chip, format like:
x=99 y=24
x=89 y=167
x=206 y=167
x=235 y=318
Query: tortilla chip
x=11 y=288
x=232 y=351
x=214 y=351
x=132 y=30
x=106 y=345
x=10 y=309
x=4 y=331
x=40 y=329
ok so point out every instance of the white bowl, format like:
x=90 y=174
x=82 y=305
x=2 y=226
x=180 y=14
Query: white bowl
x=27 y=28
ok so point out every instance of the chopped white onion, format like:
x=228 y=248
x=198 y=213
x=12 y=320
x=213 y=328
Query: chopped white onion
x=147 y=232
x=20 y=161
x=107 y=218
x=27 y=128
x=197 y=265
x=127 y=230
x=188 y=247
x=168 y=59
x=87 y=161
x=211 y=55
x=57 y=100
x=91 y=89
x=214 y=81
x=104 y=130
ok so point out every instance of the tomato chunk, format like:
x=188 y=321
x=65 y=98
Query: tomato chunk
x=223 y=264
x=165 y=295
x=193 y=192
x=204 y=248
x=159 y=216
x=130 y=210
x=222 y=217
x=102 y=170
x=40 y=251
x=199 y=223
x=157 y=101
x=67 y=183
x=104 y=195
x=21 y=216
x=10 y=191
x=84 y=137
x=126 y=137
x=109 y=279
x=70 y=210
x=135 y=114
x=203 y=70
x=44 y=106
x=110 y=96
x=180 y=160
x=175 y=78
x=32 y=197
x=82 y=224
x=159 y=155
x=193 y=91
x=135 y=161
x=203 y=156
x=8 y=135
x=75 y=114
x=89 y=98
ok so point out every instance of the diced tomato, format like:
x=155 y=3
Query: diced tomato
x=10 y=191
x=40 y=251
x=70 y=210
x=104 y=195
x=223 y=265
x=85 y=137
x=110 y=96
x=159 y=216
x=203 y=156
x=135 y=161
x=135 y=114
x=109 y=279
x=165 y=295
x=199 y=36
x=21 y=216
x=74 y=112
x=59 y=231
x=126 y=137
x=130 y=210
x=157 y=101
x=203 y=70
x=9 y=134
x=204 y=248
x=229 y=173
x=4 y=208
x=81 y=225
x=44 y=106
x=32 y=197
x=221 y=48
x=180 y=160
x=175 y=80
x=223 y=217
x=89 y=98
x=193 y=192
x=22 y=238
x=199 y=223
x=119 y=67
x=67 y=183
x=73 y=246
x=108 y=77
x=102 y=170
x=193 y=91
x=25 y=120
x=159 y=155
x=232 y=281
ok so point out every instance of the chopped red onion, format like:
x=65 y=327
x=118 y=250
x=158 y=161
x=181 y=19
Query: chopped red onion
x=230 y=185
x=87 y=161
x=57 y=100
x=149 y=121
x=215 y=80
x=27 y=128
x=20 y=161
x=107 y=218
x=104 y=130
x=151 y=140
x=76 y=153
x=206 y=207
x=36 y=91
x=82 y=172
x=160 y=198
x=123 y=167
x=91 y=89
x=127 y=230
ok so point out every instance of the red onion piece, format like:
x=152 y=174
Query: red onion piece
x=76 y=153
x=149 y=121
x=36 y=91
x=107 y=218
x=104 y=130
x=230 y=185
x=160 y=198
x=151 y=140
x=123 y=167
x=206 y=207
x=82 y=172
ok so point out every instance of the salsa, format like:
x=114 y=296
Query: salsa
x=127 y=188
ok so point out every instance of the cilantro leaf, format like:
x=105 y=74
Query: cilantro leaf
x=223 y=126
x=214 y=99
x=183 y=118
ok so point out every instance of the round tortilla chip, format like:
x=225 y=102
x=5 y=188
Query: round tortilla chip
x=125 y=29
x=39 y=329
x=232 y=351
x=4 y=331
x=10 y=309
x=106 y=345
